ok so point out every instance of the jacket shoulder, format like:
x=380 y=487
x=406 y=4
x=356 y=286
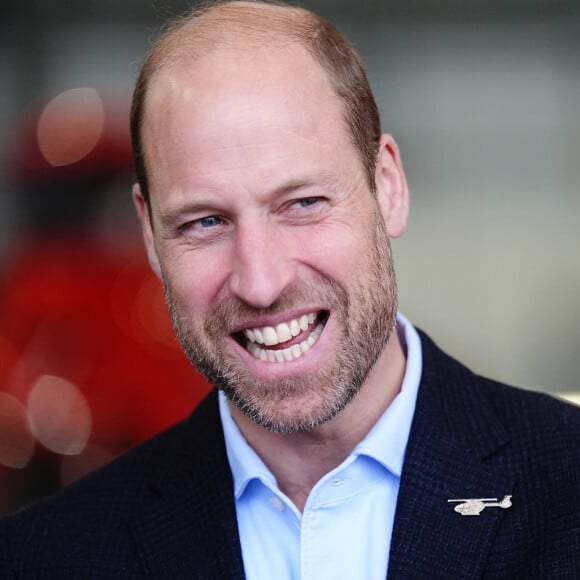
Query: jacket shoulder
x=93 y=515
x=452 y=388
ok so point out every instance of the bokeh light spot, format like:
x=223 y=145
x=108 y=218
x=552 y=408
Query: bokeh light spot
x=70 y=126
x=16 y=439
x=59 y=414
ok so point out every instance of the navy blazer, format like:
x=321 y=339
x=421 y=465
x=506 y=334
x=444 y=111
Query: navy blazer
x=165 y=510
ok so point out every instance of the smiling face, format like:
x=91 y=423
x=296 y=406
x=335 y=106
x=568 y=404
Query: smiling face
x=273 y=251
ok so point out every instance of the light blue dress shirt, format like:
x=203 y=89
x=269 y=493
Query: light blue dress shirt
x=345 y=529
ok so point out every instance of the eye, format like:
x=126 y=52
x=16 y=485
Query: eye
x=305 y=210
x=205 y=228
x=208 y=222
x=307 y=201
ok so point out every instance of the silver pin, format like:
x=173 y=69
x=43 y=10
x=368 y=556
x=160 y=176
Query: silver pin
x=474 y=507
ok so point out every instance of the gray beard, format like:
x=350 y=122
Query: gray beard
x=366 y=319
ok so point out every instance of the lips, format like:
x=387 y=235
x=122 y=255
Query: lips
x=286 y=341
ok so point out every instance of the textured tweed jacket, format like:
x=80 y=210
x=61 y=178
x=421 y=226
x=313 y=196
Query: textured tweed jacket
x=165 y=510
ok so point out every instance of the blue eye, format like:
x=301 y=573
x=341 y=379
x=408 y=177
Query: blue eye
x=308 y=201
x=209 y=221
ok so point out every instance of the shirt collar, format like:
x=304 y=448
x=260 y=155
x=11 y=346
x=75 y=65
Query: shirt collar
x=386 y=442
x=245 y=463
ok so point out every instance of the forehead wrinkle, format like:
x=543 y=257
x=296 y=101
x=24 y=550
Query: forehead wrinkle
x=212 y=198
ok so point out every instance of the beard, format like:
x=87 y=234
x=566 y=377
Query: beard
x=364 y=318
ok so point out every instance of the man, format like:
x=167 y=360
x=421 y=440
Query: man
x=342 y=443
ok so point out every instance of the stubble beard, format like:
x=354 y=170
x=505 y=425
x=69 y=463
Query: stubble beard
x=365 y=320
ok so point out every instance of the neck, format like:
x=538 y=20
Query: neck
x=299 y=460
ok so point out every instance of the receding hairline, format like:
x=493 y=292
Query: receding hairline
x=245 y=25
x=234 y=27
x=232 y=23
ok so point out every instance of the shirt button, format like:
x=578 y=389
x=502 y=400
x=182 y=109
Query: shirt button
x=277 y=503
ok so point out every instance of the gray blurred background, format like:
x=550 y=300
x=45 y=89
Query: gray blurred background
x=483 y=98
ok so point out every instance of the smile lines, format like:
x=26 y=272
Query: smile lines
x=272 y=336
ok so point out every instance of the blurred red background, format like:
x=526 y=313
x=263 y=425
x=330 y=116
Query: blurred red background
x=89 y=364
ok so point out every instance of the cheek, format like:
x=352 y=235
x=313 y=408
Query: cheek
x=338 y=254
x=195 y=280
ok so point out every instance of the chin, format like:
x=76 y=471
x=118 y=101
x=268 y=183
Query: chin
x=292 y=413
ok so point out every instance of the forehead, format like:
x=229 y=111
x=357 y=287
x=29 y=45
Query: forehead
x=243 y=80
x=242 y=106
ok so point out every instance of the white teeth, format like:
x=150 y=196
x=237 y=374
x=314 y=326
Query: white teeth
x=314 y=335
x=270 y=336
x=284 y=332
x=287 y=354
x=295 y=328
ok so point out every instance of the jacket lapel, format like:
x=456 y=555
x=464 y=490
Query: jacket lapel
x=188 y=529
x=453 y=453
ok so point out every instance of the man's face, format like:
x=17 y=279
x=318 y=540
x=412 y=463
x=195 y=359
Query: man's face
x=274 y=253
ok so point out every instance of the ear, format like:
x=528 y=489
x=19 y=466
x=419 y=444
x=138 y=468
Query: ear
x=147 y=229
x=392 y=190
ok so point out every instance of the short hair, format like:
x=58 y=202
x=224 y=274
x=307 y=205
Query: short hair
x=257 y=21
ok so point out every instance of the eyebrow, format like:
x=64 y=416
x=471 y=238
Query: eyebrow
x=169 y=216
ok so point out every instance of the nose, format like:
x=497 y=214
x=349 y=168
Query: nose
x=262 y=267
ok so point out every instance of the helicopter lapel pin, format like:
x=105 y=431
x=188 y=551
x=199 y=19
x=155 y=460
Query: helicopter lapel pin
x=474 y=507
